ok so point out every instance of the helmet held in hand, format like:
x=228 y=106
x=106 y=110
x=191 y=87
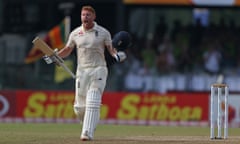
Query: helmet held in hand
x=122 y=40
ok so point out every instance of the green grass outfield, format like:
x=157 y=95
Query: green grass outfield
x=51 y=133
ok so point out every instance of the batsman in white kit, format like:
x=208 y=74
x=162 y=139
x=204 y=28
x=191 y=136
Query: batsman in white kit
x=90 y=41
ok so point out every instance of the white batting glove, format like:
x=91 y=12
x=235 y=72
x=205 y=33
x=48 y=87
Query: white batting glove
x=47 y=59
x=50 y=59
x=120 y=56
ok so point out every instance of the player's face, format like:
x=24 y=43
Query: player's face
x=87 y=18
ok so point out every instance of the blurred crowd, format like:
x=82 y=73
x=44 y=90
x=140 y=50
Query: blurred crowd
x=185 y=58
x=212 y=49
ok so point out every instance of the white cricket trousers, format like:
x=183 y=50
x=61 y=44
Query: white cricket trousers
x=88 y=79
x=90 y=84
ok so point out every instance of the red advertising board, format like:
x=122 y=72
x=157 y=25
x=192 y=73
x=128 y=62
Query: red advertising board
x=45 y=104
x=7 y=104
x=148 y=107
x=117 y=107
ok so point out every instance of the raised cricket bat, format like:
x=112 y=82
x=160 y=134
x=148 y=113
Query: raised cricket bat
x=40 y=44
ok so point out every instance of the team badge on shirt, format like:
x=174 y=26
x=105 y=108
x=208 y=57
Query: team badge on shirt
x=80 y=33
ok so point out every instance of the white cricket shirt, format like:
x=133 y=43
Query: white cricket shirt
x=90 y=45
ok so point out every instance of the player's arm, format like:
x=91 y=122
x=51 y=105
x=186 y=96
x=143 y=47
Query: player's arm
x=66 y=51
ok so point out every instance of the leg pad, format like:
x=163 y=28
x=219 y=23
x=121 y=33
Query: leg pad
x=92 y=113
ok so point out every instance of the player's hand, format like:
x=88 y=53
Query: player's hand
x=56 y=51
x=51 y=59
x=47 y=59
x=120 y=56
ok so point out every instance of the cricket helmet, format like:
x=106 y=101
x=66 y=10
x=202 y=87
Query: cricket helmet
x=122 y=40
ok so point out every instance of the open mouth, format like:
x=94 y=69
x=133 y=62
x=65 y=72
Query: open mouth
x=85 y=21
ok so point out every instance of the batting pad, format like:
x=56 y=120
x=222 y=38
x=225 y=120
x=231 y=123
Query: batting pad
x=92 y=113
x=79 y=111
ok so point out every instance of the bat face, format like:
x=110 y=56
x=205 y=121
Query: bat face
x=41 y=45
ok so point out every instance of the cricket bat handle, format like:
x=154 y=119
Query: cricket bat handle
x=60 y=62
x=68 y=70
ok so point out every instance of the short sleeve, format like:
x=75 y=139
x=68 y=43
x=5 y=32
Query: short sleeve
x=70 y=43
x=108 y=39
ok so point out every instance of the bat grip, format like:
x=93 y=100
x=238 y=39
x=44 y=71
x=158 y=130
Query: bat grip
x=56 y=59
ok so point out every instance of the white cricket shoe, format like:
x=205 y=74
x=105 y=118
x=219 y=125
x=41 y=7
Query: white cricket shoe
x=85 y=136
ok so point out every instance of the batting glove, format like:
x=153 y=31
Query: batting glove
x=120 y=56
x=47 y=59
x=51 y=59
